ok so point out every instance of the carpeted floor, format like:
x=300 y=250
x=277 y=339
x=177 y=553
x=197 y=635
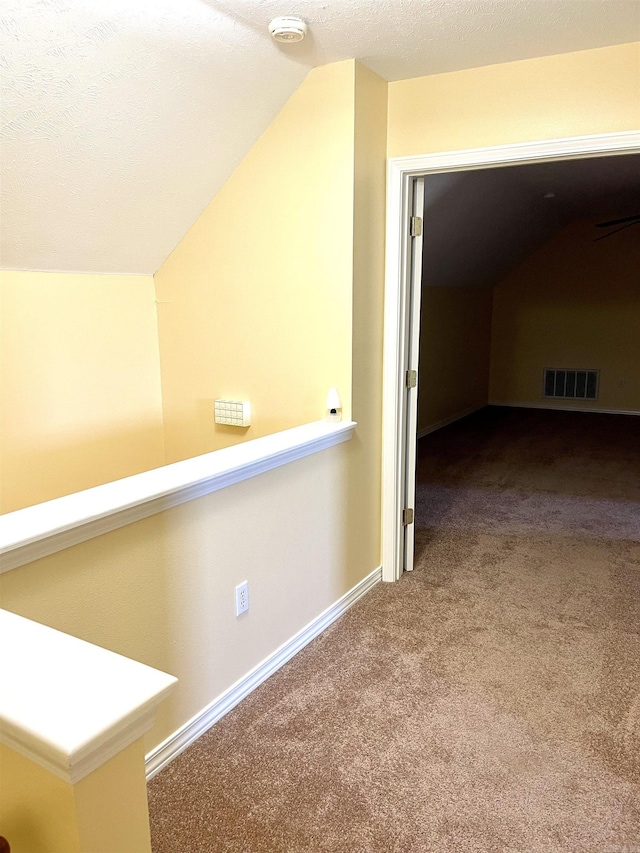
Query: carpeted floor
x=487 y=703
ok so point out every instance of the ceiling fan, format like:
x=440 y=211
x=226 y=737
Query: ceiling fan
x=625 y=222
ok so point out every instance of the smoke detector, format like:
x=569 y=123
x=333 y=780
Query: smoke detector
x=288 y=29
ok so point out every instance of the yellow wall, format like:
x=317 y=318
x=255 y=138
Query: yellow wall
x=573 y=303
x=573 y=94
x=37 y=812
x=255 y=301
x=104 y=812
x=368 y=319
x=455 y=347
x=80 y=396
x=583 y=93
x=161 y=590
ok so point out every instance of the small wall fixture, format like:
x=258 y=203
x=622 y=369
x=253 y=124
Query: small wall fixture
x=288 y=29
x=334 y=406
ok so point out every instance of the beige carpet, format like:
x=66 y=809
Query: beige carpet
x=487 y=703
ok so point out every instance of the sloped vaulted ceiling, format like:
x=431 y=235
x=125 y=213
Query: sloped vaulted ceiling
x=121 y=119
x=479 y=224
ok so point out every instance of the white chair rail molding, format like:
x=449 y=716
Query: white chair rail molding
x=37 y=531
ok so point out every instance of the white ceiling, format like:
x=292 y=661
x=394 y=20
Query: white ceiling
x=121 y=119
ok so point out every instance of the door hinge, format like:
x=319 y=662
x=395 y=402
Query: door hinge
x=411 y=378
x=415 y=226
x=407 y=517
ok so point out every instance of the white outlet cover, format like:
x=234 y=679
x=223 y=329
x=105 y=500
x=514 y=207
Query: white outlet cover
x=242 y=598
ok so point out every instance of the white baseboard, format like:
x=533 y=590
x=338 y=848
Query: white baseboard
x=198 y=725
x=556 y=408
x=446 y=421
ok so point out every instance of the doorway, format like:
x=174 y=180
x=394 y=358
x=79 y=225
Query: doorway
x=402 y=302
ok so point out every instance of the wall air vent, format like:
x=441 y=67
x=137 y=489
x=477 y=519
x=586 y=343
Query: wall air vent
x=571 y=384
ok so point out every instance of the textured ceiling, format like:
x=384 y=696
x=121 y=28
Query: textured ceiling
x=121 y=119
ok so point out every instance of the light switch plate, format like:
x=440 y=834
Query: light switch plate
x=233 y=412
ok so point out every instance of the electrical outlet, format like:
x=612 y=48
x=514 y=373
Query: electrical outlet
x=242 y=598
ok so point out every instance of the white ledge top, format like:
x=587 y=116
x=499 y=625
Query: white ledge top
x=68 y=705
x=37 y=531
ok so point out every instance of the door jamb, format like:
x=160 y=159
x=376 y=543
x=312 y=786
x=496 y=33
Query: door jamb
x=399 y=174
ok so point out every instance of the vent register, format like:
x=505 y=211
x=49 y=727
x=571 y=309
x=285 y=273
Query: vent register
x=571 y=384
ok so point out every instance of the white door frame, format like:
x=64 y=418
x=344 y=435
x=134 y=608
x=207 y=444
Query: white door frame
x=409 y=425
x=400 y=172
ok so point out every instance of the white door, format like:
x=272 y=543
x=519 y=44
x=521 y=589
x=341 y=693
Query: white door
x=411 y=383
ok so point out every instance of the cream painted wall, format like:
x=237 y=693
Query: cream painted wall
x=365 y=493
x=455 y=349
x=589 y=92
x=573 y=94
x=573 y=303
x=49 y=827
x=161 y=590
x=104 y=812
x=80 y=399
x=255 y=301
